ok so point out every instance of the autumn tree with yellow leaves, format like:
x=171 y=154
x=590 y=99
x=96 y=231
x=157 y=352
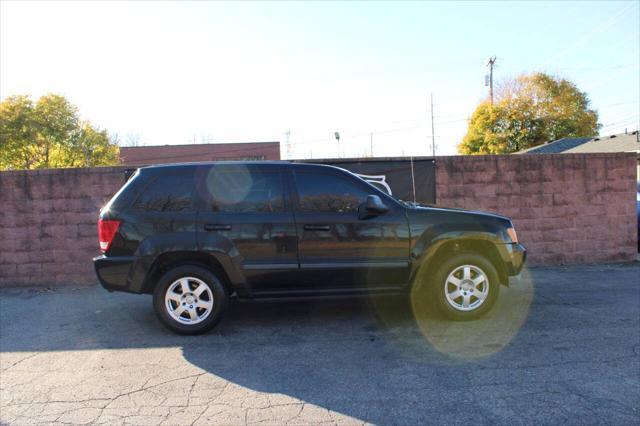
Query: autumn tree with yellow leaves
x=50 y=134
x=528 y=111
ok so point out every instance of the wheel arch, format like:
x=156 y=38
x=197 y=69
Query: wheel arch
x=451 y=247
x=169 y=260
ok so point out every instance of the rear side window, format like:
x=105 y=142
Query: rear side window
x=126 y=193
x=168 y=193
x=246 y=192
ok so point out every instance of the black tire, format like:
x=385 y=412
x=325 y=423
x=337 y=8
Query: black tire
x=220 y=299
x=439 y=285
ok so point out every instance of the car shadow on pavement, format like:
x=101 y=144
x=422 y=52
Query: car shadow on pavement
x=369 y=358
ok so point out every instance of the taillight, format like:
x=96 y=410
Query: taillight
x=106 y=231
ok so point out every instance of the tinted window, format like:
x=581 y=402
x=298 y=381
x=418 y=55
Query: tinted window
x=246 y=192
x=320 y=192
x=168 y=193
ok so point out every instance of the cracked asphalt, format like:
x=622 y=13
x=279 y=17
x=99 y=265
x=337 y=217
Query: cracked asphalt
x=561 y=346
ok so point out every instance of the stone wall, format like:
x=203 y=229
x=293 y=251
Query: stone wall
x=567 y=209
x=48 y=223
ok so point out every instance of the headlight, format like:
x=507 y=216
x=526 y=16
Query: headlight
x=512 y=234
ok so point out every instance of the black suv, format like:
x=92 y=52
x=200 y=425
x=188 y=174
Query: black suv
x=195 y=234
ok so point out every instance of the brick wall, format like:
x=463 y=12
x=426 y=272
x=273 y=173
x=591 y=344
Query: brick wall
x=48 y=223
x=566 y=208
x=144 y=155
x=569 y=209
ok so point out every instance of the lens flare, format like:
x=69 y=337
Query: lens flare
x=228 y=188
x=417 y=329
x=482 y=337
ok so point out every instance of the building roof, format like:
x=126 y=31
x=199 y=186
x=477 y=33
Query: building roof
x=555 y=147
x=623 y=142
x=615 y=143
x=161 y=154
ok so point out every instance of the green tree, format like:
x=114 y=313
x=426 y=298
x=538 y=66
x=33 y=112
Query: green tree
x=17 y=133
x=50 y=134
x=528 y=111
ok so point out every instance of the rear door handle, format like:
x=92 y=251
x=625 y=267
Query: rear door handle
x=216 y=227
x=313 y=227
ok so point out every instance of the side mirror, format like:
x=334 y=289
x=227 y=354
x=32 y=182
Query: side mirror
x=373 y=206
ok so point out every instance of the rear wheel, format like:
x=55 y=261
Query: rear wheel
x=190 y=299
x=465 y=287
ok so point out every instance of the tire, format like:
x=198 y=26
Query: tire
x=465 y=287
x=190 y=299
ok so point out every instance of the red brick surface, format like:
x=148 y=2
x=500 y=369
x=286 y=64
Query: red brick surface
x=567 y=209
x=145 y=155
x=48 y=223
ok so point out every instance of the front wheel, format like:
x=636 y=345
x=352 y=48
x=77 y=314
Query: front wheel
x=465 y=287
x=189 y=299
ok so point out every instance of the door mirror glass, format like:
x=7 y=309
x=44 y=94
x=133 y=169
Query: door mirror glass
x=373 y=206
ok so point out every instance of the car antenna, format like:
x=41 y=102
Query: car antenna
x=413 y=181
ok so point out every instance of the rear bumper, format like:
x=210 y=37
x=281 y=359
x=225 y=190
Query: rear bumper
x=113 y=272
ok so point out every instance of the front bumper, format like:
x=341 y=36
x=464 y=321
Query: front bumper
x=114 y=272
x=516 y=256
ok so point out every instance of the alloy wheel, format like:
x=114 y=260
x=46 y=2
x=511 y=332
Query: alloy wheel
x=189 y=300
x=466 y=288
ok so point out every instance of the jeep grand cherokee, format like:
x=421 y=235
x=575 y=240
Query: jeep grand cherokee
x=195 y=234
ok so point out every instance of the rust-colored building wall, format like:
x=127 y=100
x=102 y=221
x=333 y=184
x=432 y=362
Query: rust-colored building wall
x=567 y=208
x=145 y=155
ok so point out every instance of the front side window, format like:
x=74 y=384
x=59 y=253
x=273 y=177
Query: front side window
x=323 y=192
x=246 y=192
x=168 y=193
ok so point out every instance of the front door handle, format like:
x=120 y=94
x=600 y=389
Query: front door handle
x=315 y=227
x=216 y=227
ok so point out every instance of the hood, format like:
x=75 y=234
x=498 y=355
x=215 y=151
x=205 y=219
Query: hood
x=425 y=207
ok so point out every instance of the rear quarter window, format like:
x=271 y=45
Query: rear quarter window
x=169 y=193
x=126 y=193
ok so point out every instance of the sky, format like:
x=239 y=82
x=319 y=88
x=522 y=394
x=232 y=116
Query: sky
x=184 y=72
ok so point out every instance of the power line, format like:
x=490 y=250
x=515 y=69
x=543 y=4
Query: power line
x=626 y=120
x=620 y=103
x=603 y=25
x=613 y=67
x=613 y=77
x=595 y=63
x=357 y=135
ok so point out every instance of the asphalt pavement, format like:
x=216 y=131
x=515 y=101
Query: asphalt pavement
x=562 y=345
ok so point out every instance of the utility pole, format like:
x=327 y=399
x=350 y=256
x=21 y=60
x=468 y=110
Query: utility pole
x=433 y=135
x=287 y=134
x=371 y=143
x=490 y=62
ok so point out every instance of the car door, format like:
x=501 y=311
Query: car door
x=247 y=209
x=337 y=250
x=162 y=217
